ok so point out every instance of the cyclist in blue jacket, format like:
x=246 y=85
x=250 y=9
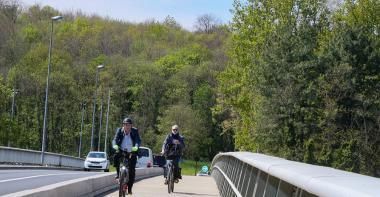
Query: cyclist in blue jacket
x=172 y=149
x=127 y=139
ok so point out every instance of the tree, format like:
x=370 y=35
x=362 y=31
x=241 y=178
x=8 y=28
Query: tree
x=9 y=12
x=206 y=23
x=190 y=126
x=299 y=82
x=4 y=114
x=170 y=21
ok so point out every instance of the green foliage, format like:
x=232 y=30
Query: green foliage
x=203 y=101
x=5 y=94
x=31 y=34
x=191 y=128
x=301 y=82
x=156 y=72
x=172 y=63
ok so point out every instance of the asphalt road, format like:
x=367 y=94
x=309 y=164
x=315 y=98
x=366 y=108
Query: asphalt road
x=16 y=180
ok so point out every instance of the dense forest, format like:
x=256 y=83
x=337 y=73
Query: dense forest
x=303 y=81
x=156 y=72
x=298 y=79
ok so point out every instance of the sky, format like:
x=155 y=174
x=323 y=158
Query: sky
x=185 y=12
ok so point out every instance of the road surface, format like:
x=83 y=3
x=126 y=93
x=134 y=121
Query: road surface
x=17 y=180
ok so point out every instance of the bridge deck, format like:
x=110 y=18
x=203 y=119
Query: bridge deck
x=189 y=186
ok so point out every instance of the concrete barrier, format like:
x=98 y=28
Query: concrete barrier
x=88 y=186
x=10 y=155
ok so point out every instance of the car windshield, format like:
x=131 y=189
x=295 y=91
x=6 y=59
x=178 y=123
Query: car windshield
x=144 y=152
x=96 y=155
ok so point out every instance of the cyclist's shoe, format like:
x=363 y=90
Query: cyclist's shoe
x=176 y=180
x=117 y=177
x=166 y=182
x=130 y=193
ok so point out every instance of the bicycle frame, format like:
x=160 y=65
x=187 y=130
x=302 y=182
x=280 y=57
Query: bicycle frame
x=123 y=173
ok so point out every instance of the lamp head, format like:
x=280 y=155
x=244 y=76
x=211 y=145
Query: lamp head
x=101 y=66
x=56 y=18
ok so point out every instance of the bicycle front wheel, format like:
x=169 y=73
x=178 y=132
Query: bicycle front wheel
x=122 y=183
x=171 y=182
x=169 y=178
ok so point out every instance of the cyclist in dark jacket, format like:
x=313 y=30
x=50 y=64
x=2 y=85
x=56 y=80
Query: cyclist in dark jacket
x=172 y=149
x=127 y=139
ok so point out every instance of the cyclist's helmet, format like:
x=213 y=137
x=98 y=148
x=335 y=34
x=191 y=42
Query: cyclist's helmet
x=127 y=121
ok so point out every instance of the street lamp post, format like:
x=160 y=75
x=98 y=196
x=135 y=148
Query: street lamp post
x=81 y=128
x=94 y=107
x=100 y=123
x=55 y=18
x=108 y=111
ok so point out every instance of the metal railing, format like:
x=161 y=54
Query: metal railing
x=240 y=174
x=10 y=155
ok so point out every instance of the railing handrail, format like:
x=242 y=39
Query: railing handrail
x=317 y=180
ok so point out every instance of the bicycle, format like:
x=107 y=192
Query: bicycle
x=123 y=173
x=170 y=171
x=170 y=176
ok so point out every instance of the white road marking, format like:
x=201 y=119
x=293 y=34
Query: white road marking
x=29 y=177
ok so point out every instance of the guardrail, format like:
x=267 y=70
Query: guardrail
x=32 y=157
x=250 y=174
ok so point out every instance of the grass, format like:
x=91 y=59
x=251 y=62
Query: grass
x=112 y=168
x=188 y=167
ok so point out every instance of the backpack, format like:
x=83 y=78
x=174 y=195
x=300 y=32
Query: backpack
x=173 y=152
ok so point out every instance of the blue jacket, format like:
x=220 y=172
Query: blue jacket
x=168 y=142
x=118 y=139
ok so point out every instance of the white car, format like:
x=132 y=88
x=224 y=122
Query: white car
x=96 y=161
x=145 y=158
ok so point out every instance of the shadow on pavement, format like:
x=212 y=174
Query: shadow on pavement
x=193 y=194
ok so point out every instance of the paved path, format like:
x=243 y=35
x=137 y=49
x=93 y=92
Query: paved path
x=189 y=186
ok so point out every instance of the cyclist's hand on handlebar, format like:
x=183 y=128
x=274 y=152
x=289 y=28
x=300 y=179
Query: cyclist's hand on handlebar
x=134 y=149
x=116 y=147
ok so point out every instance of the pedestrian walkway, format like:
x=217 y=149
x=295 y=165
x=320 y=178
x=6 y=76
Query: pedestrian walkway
x=203 y=186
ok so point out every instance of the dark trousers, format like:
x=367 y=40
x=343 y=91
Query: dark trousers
x=131 y=168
